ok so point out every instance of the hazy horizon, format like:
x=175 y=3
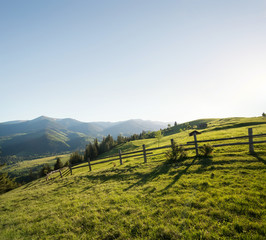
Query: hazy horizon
x=117 y=60
x=42 y=116
x=171 y=122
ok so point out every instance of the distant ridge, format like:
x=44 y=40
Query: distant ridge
x=45 y=135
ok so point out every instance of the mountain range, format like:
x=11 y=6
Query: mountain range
x=45 y=135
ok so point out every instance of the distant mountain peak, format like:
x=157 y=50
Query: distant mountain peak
x=49 y=135
x=41 y=118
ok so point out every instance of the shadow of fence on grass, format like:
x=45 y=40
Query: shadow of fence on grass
x=159 y=170
x=256 y=155
x=33 y=183
x=180 y=174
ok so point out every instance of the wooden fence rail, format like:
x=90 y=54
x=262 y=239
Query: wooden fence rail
x=145 y=152
x=250 y=136
x=148 y=151
x=60 y=171
x=224 y=139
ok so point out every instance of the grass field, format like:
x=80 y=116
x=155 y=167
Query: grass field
x=22 y=170
x=222 y=197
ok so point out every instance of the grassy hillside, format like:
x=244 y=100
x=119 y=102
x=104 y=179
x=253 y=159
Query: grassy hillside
x=29 y=169
x=222 y=197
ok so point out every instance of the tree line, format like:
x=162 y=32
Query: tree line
x=96 y=148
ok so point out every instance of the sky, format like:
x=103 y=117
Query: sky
x=114 y=60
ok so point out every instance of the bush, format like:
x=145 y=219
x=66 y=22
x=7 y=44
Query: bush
x=206 y=150
x=176 y=153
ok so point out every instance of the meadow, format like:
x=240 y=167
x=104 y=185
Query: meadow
x=27 y=170
x=218 y=197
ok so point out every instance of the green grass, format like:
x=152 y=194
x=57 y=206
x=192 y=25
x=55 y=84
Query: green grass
x=222 y=197
x=21 y=170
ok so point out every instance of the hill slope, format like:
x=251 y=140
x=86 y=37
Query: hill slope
x=222 y=197
x=45 y=135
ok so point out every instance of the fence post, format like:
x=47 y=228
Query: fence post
x=70 y=169
x=250 y=137
x=89 y=163
x=144 y=153
x=60 y=173
x=196 y=144
x=120 y=157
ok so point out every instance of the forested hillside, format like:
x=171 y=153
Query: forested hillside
x=46 y=136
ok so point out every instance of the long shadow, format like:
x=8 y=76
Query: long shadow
x=57 y=175
x=117 y=174
x=66 y=173
x=237 y=125
x=162 y=169
x=179 y=175
x=31 y=184
x=256 y=155
x=112 y=174
x=205 y=162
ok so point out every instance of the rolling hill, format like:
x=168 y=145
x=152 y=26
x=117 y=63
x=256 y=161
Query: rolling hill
x=45 y=135
x=217 y=197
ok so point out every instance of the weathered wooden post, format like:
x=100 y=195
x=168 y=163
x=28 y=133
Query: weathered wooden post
x=194 y=133
x=120 y=157
x=89 y=163
x=250 y=137
x=70 y=169
x=60 y=173
x=144 y=153
x=196 y=144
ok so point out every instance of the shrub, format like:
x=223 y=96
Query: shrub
x=176 y=153
x=206 y=150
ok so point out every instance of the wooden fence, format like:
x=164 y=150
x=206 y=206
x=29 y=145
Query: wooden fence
x=250 y=142
x=148 y=152
x=63 y=171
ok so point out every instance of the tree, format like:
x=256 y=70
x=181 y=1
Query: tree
x=158 y=135
x=96 y=144
x=93 y=151
x=45 y=169
x=175 y=123
x=187 y=126
x=87 y=153
x=75 y=158
x=67 y=163
x=58 y=164
x=6 y=183
x=264 y=114
x=202 y=125
x=120 y=139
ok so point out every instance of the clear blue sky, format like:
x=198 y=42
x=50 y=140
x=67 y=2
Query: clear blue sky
x=111 y=60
